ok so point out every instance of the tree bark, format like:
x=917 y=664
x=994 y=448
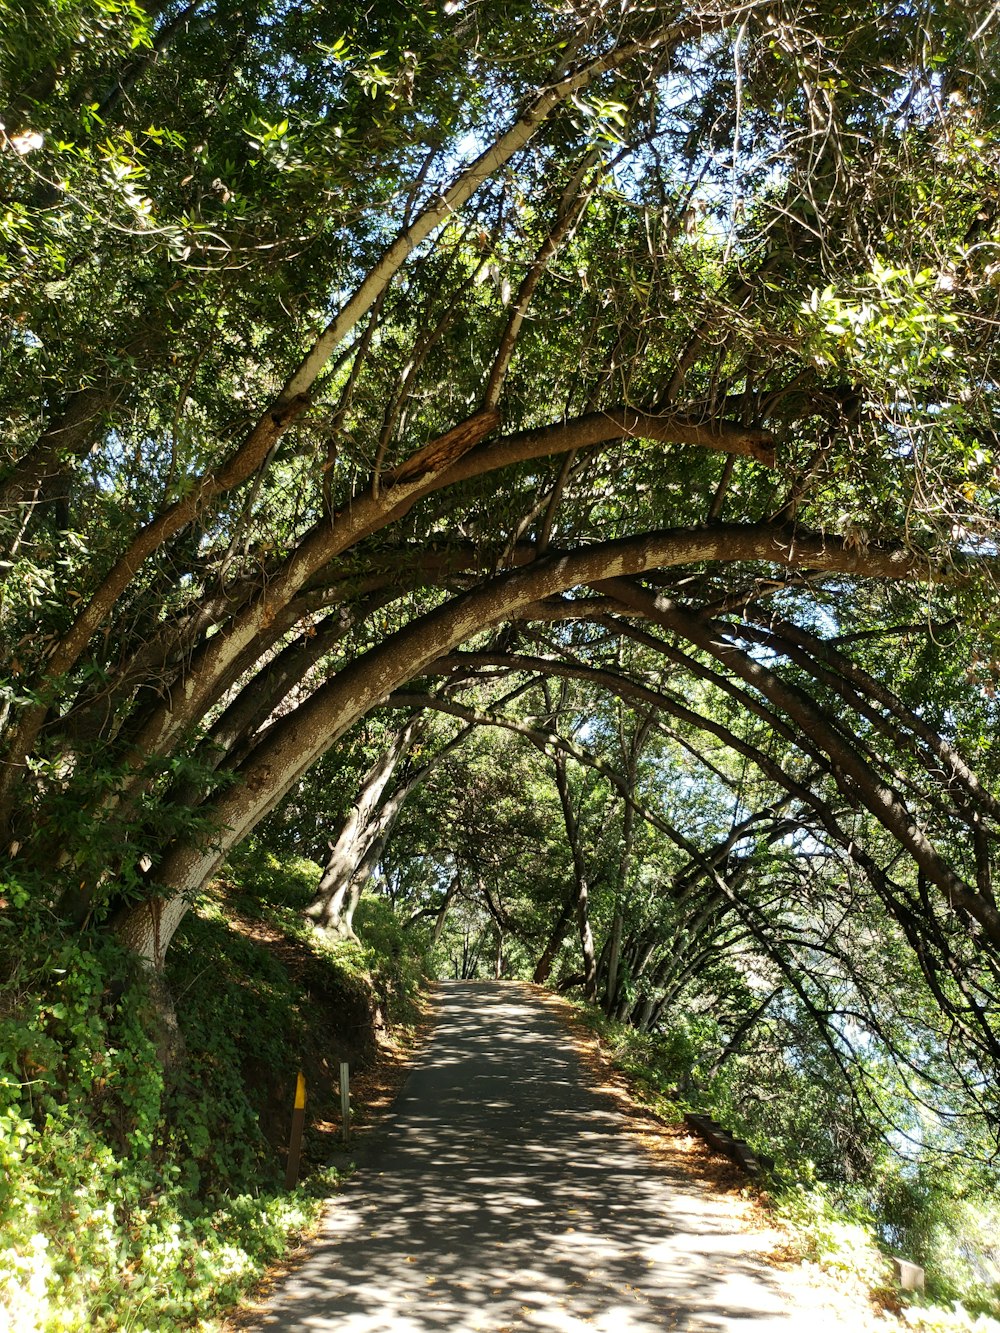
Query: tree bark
x=364 y=834
x=430 y=469
x=631 y=753
x=446 y=902
x=614 y=960
x=581 y=903
x=299 y=738
x=357 y=832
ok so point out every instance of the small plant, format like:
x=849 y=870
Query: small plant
x=826 y=1233
x=133 y=1197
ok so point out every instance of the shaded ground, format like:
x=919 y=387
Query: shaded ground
x=502 y=1194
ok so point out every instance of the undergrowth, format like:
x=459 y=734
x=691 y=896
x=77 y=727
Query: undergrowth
x=130 y=1198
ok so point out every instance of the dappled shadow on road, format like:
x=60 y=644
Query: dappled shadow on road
x=502 y=1195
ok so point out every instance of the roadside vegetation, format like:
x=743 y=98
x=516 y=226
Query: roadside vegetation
x=939 y=1212
x=503 y=489
x=143 y=1184
x=143 y=1188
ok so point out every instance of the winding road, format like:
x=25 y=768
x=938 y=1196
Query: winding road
x=503 y=1194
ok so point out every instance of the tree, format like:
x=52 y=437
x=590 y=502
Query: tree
x=336 y=350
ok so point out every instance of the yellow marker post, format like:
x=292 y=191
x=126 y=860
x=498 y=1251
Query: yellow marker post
x=298 y=1124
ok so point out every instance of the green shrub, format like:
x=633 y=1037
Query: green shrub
x=263 y=880
x=942 y=1217
x=942 y=1214
x=827 y=1233
x=129 y=1198
x=938 y=1319
x=126 y=1200
x=394 y=955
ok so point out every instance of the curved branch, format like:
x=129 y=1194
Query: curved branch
x=302 y=736
x=293 y=399
x=879 y=797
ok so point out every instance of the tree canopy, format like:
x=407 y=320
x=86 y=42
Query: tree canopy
x=618 y=380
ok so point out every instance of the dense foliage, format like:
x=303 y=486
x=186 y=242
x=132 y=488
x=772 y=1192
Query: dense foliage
x=539 y=460
x=134 y=1198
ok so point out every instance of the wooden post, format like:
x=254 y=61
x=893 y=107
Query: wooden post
x=345 y=1101
x=295 y=1142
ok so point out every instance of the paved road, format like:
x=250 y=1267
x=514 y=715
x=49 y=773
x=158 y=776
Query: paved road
x=504 y=1196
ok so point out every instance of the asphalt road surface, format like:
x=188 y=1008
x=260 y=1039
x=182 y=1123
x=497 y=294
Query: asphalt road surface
x=504 y=1195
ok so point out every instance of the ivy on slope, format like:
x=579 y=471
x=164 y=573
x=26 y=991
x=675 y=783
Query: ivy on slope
x=130 y=1197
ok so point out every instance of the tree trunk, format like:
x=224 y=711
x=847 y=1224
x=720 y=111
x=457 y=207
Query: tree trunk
x=642 y=1013
x=299 y=738
x=357 y=833
x=543 y=968
x=614 y=958
x=470 y=954
x=582 y=892
x=632 y=752
x=147 y=929
x=442 y=915
x=586 y=941
x=367 y=829
x=351 y=906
